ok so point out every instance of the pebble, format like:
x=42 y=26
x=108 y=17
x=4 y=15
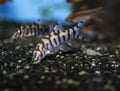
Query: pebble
x=70 y=81
x=68 y=73
x=64 y=80
x=62 y=57
x=31 y=44
x=72 y=67
x=82 y=73
x=117 y=52
x=76 y=65
x=98 y=48
x=97 y=79
x=27 y=67
x=64 y=65
x=30 y=51
x=57 y=56
x=4 y=72
x=113 y=62
x=107 y=87
x=19 y=61
x=93 y=64
x=11 y=64
x=18 y=66
x=58 y=82
x=42 y=77
x=2 y=53
x=17 y=47
x=5 y=64
x=76 y=57
x=111 y=56
x=26 y=76
x=53 y=71
x=6 y=89
x=46 y=71
x=97 y=72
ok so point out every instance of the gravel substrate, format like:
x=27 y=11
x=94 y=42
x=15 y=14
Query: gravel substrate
x=71 y=71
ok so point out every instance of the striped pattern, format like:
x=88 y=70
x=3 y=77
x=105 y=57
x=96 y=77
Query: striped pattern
x=54 y=40
x=28 y=30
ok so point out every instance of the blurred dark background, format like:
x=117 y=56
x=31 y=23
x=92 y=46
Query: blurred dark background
x=17 y=12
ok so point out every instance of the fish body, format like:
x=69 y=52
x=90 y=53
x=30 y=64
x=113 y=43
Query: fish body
x=35 y=29
x=29 y=30
x=55 y=40
x=93 y=25
x=76 y=17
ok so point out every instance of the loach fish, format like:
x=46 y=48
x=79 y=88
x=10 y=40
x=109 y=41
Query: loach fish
x=29 y=30
x=35 y=29
x=93 y=25
x=76 y=17
x=55 y=40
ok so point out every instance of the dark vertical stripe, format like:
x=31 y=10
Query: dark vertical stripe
x=24 y=30
x=47 y=46
x=59 y=39
x=41 y=54
x=30 y=28
x=56 y=34
x=49 y=38
x=40 y=30
x=36 y=28
x=43 y=28
x=27 y=31
x=81 y=21
x=78 y=26
x=78 y=36
x=74 y=32
x=63 y=37
x=51 y=43
x=35 y=31
x=68 y=34
x=55 y=41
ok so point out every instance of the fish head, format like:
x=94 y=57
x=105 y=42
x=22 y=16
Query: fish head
x=39 y=53
x=16 y=34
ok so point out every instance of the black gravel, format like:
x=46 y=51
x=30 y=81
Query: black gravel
x=71 y=71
